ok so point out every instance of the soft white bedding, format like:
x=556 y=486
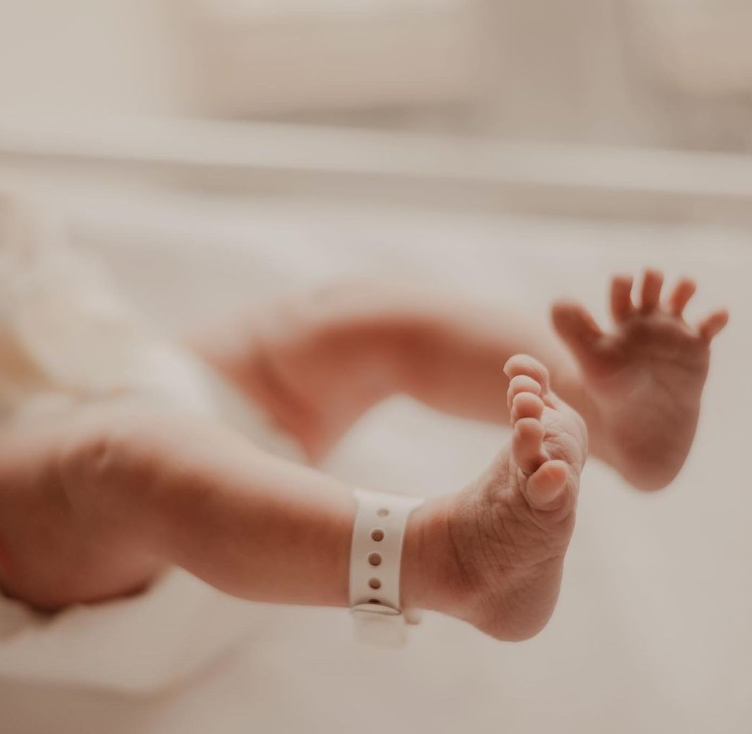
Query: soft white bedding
x=653 y=629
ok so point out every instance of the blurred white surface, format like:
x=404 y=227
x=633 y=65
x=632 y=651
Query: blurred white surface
x=349 y=164
x=652 y=632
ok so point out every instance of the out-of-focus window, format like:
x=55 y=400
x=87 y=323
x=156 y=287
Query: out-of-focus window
x=697 y=57
x=271 y=57
x=652 y=73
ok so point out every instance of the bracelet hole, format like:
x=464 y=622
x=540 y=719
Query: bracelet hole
x=374 y=583
x=382 y=512
x=374 y=559
x=377 y=534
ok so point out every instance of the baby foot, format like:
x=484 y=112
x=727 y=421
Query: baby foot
x=511 y=528
x=643 y=382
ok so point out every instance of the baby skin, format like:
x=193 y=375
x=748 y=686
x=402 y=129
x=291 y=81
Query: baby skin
x=101 y=500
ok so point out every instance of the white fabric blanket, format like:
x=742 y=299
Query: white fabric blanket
x=652 y=633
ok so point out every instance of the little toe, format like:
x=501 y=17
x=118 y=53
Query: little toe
x=681 y=296
x=713 y=324
x=523 y=365
x=526 y=405
x=527 y=444
x=621 y=298
x=651 y=290
x=546 y=489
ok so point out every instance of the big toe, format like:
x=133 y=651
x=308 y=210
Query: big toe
x=545 y=481
x=548 y=489
x=576 y=326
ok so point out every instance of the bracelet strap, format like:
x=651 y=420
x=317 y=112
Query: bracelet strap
x=375 y=564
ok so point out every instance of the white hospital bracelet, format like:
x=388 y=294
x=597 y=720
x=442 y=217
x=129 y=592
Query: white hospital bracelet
x=375 y=563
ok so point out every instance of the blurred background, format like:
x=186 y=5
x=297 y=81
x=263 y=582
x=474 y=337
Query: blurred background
x=403 y=97
x=218 y=152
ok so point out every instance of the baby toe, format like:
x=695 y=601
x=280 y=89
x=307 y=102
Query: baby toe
x=523 y=365
x=526 y=405
x=575 y=325
x=527 y=444
x=546 y=489
x=651 y=290
x=712 y=325
x=520 y=385
x=681 y=296
x=621 y=298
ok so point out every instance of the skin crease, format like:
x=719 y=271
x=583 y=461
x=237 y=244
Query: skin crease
x=99 y=501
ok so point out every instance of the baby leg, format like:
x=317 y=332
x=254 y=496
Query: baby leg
x=320 y=360
x=119 y=493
